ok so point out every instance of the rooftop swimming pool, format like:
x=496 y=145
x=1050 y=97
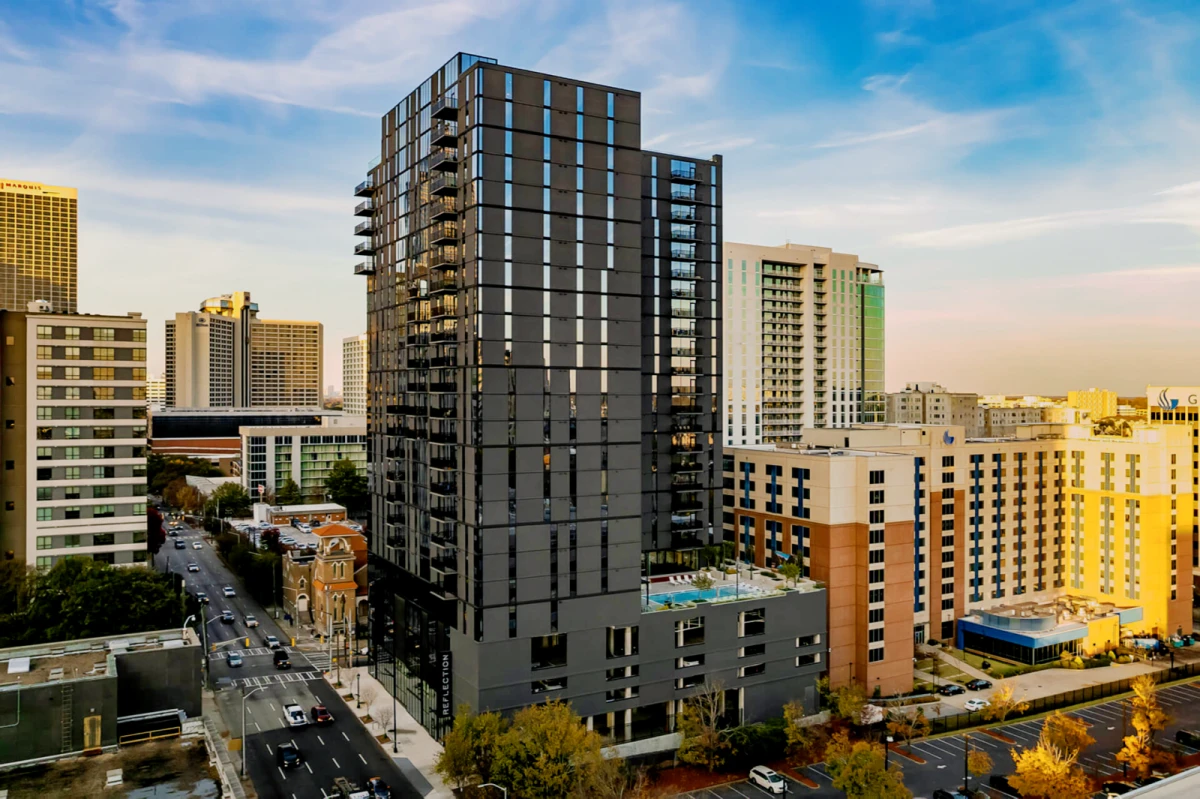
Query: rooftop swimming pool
x=708 y=594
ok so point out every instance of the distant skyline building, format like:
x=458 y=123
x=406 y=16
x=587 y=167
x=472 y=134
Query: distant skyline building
x=1100 y=403
x=224 y=356
x=930 y=403
x=354 y=375
x=74 y=437
x=273 y=453
x=156 y=391
x=39 y=252
x=803 y=340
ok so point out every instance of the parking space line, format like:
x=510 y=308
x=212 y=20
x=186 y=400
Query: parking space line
x=926 y=752
x=938 y=746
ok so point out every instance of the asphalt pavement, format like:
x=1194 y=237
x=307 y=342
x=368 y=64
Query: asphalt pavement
x=944 y=756
x=341 y=749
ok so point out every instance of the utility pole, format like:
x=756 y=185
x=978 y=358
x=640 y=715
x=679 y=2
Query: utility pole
x=204 y=630
x=966 y=757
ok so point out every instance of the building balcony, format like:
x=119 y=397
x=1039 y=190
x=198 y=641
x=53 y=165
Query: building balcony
x=686 y=541
x=686 y=464
x=689 y=369
x=443 y=159
x=685 y=523
x=683 y=215
x=438 y=310
x=446 y=183
x=686 y=252
x=683 y=271
x=366 y=208
x=444 y=564
x=684 y=233
x=683 y=311
x=443 y=232
x=443 y=208
x=364 y=268
x=443 y=462
x=685 y=502
x=683 y=332
x=683 y=352
x=364 y=228
x=443 y=436
x=683 y=292
x=681 y=195
x=445 y=107
x=446 y=489
x=685 y=482
x=687 y=174
x=444 y=387
x=444 y=134
x=365 y=189
x=364 y=248
x=684 y=406
x=685 y=425
x=445 y=257
x=446 y=513
x=445 y=285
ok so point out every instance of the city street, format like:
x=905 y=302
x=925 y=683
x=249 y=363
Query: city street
x=341 y=749
x=944 y=756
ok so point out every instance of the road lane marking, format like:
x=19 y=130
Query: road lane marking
x=293 y=740
x=926 y=752
x=335 y=763
x=347 y=737
x=269 y=749
x=321 y=740
x=273 y=708
x=310 y=771
x=257 y=727
x=281 y=774
x=363 y=759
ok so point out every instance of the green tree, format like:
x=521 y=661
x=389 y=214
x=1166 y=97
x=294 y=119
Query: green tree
x=804 y=741
x=346 y=486
x=470 y=748
x=847 y=702
x=790 y=571
x=702 y=581
x=229 y=500
x=704 y=741
x=547 y=753
x=288 y=493
x=77 y=598
x=904 y=726
x=859 y=770
x=164 y=469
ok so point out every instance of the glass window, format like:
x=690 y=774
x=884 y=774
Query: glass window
x=45 y=353
x=45 y=331
x=103 y=373
x=103 y=354
x=45 y=453
x=71 y=373
x=139 y=354
x=71 y=333
x=103 y=334
x=45 y=514
x=139 y=335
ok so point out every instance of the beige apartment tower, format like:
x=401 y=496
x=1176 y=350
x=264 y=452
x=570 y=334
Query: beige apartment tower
x=38 y=246
x=354 y=375
x=803 y=342
x=224 y=356
x=1100 y=403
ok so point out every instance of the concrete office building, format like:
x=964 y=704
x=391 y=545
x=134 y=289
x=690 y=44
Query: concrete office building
x=38 y=246
x=354 y=375
x=215 y=433
x=1098 y=402
x=74 y=437
x=272 y=454
x=803 y=342
x=156 y=391
x=543 y=313
x=1056 y=512
x=224 y=356
x=930 y=403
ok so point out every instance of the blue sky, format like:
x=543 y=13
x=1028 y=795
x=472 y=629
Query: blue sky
x=1027 y=173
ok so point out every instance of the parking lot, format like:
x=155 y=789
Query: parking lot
x=944 y=756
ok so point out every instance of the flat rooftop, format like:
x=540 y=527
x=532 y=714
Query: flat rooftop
x=80 y=659
x=54 y=668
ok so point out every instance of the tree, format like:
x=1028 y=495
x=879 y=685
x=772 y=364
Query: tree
x=979 y=763
x=164 y=469
x=704 y=741
x=1002 y=704
x=702 y=581
x=1067 y=734
x=1147 y=718
x=229 y=500
x=1046 y=770
x=613 y=778
x=346 y=486
x=906 y=726
x=288 y=493
x=859 y=770
x=178 y=494
x=803 y=740
x=847 y=702
x=547 y=753
x=470 y=748
x=156 y=535
x=790 y=571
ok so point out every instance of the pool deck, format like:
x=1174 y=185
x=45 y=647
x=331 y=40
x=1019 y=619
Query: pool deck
x=758 y=584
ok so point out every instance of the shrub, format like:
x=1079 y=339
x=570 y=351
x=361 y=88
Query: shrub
x=985 y=665
x=756 y=743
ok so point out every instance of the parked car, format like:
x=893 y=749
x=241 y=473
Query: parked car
x=320 y=715
x=942 y=793
x=1111 y=789
x=293 y=716
x=227 y=617
x=228 y=591
x=233 y=660
x=1189 y=738
x=193 y=567
x=377 y=786
x=180 y=545
x=314 y=525
x=288 y=756
x=951 y=689
x=251 y=621
x=1144 y=781
x=767 y=779
x=975 y=704
x=282 y=661
x=272 y=642
x=979 y=685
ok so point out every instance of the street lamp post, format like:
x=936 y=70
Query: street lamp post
x=966 y=757
x=494 y=785
x=357 y=691
x=244 y=747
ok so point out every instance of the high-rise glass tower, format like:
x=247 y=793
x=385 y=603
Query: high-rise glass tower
x=38 y=246
x=543 y=302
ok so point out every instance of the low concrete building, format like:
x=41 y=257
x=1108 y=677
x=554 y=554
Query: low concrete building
x=1039 y=632
x=286 y=514
x=84 y=696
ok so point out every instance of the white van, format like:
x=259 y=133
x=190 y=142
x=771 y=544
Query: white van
x=767 y=779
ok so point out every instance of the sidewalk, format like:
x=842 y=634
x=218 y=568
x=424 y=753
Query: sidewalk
x=418 y=751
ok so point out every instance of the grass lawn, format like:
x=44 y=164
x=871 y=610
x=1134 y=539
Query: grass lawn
x=998 y=669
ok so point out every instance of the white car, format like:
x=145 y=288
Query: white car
x=251 y=621
x=767 y=779
x=197 y=545
x=975 y=704
x=304 y=528
x=228 y=591
x=294 y=716
x=272 y=642
x=192 y=567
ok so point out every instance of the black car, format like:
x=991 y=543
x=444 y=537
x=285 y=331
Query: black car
x=942 y=793
x=180 y=545
x=1144 y=781
x=379 y=788
x=951 y=689
x=1116 y=788
x=202 y=597
x=282 y=661
x=1188 y=738
x=979 y=685
x=227 y=617
x=288 y=756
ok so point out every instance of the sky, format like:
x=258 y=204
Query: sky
x=1026 y=173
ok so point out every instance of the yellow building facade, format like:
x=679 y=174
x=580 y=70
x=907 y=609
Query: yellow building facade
x=38 y=246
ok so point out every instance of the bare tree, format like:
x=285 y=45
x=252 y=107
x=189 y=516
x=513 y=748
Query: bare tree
x=384 y=715
x=700 y=722
x=366 y=695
